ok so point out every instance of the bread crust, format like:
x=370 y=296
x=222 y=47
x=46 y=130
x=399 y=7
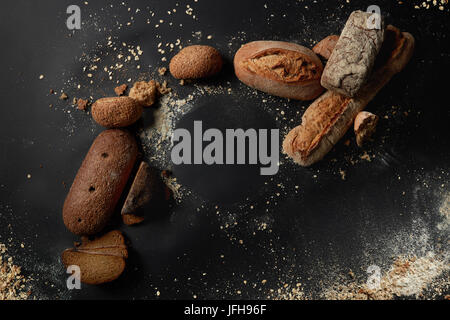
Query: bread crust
x=331 y=115
x=326 y=46
x=99 y=182
x=280 y=68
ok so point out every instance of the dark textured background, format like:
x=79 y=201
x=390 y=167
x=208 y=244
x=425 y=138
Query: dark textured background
x=329 y=222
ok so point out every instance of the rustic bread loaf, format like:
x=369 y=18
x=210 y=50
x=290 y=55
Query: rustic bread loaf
x=194 y=62
x=116 y=112
x=353 y=57
x=326 y=46
x=280 y=68
x=146 y=192
x=99 y=182
x=330 y=116
x=101 y=260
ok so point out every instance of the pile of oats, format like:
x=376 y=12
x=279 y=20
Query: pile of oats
x=12 y=282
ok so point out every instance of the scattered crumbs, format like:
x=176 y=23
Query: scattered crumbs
x=288 y=292
x=120 y=90
x=365 y=156
x=13 y=285
x=41 y=77
x=82 y=104
x=407 y=277
x=63 y=96
x=162 y=71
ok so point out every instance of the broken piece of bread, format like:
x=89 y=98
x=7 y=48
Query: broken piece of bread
x=144 y=92
x=364 y=126
x=146 y=192
x=101 y=260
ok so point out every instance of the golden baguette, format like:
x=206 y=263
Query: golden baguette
x=331 y=115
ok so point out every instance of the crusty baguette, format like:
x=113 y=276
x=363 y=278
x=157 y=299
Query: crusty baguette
x=280 y=68
x=330 y=116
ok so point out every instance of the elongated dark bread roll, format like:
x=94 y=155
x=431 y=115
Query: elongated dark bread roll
x=99 y=182
x=330 y=116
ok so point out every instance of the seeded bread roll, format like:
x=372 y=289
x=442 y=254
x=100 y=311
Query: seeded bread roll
x=196 y=62
x=101 y=260
x=280 y=68
x=329 y=117
x=353 y=57
x=99 y=182
x=116 y=112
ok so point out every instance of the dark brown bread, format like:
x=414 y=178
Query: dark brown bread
x=101 y=260
x=280 y=68
x=146 y=192
x=116 y=112
x=111 y=243
x=329 y=117
x=99 y=182
x=326 y=46
x=95 y=269
x=196 y=62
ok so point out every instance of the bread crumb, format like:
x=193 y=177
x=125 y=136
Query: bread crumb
x=162 y=71
x=144 y=92
x=120 y=90
x=82 y=104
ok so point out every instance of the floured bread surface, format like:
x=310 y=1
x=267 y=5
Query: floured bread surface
x=353 y=57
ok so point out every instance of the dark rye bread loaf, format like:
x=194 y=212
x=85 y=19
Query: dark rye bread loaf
x=99 y=182
x=101 y=260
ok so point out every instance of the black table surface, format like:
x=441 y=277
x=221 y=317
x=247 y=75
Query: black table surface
x=235 y=234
